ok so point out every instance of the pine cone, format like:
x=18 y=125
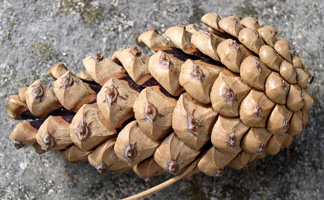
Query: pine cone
x=204 y=100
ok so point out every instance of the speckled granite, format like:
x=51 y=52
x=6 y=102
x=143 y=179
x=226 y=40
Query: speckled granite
x=36 y=35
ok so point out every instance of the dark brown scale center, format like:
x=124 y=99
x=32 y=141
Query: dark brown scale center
x=261 y=148
x=286 y=124
x=135 y=51
x=130 y=152
x=296 y=53
x=150 y=112
x=235 y=45
x=284 y=84
x=193 y=125
x=111 y=95
x=231 y=141
x=17 y=144
x=236 y=21
x=67 y=82
x=83 y=130
x=49 y=140
x=206 y=32
x=98 y=56
x=155 y=30
x=229 y=95
x=276 y=52
x=273 y=32
x=38 y=92
x=219 y=172
x=102 y=168
x=165 y=60
x=258 y=65
x=256 y=33
x=173 y=166
x=181 y=25
x=257 y=112
x=197 y=73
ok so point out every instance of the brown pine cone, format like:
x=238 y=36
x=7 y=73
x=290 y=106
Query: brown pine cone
x=204 y=100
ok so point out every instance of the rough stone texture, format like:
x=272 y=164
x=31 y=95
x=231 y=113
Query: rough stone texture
x=35 y=35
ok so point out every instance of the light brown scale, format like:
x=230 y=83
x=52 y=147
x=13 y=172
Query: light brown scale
x=251 y=39
x=40 y=99
x=134 y=62
x=276 y=143
x=212 y=20
x=182 y=39
x=15 y=107
x=295 y=98
x=24 y=134
x=133 y=145
x=227 y=94
x=197 y=78
x=213 y=161
x=227 y=134
x=57 y=71
x=255 y=109
x=268 y=34
x=192 y=121
x=250 y=22
x=255 y=140
x=270 y=57
x=165 y=68
x=288 y=72
x=254 y=72
x=278 y=122
x=104 y=158
x=72 y=92
x=148 y=169
x=173 y=155
x=153 y=112
x=116 y=105
x=207 y=43
x=154 y=40
x=276 y=88
x=283 y=48
x=75 y=154
x=231 y=25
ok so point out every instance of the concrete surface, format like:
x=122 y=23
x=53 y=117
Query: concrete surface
x=35 y=35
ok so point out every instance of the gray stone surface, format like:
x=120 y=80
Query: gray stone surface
x=35 y=35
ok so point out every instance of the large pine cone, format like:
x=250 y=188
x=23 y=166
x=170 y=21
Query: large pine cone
x=218 y=97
